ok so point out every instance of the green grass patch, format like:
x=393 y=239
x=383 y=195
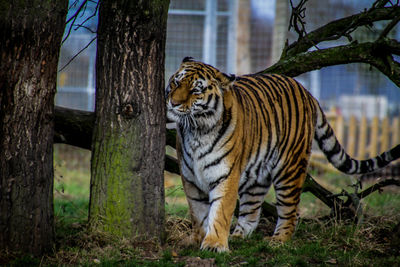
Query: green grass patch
x=316 y=242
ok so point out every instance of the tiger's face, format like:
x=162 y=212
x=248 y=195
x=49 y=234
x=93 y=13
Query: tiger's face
x=194 y=95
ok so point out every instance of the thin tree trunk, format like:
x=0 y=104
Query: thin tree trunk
x=128 y=148
x=30 y=38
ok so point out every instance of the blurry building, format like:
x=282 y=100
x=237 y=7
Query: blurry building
x=239 y=36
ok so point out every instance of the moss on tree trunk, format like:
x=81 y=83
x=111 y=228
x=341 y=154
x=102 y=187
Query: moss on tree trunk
x=128 y=147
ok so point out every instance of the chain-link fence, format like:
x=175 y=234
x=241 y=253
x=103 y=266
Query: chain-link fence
x=237 y=37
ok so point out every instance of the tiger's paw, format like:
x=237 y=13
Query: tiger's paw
x=276 y=240
x=237 y=233
x=193 y=239
x=214 y=244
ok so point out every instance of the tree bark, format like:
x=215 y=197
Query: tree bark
x=30 y=38
x=128 y=147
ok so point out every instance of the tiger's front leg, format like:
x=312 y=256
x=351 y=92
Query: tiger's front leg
x=223 y=194
x=198 y=207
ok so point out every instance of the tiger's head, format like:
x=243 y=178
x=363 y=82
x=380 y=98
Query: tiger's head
x=194 y=94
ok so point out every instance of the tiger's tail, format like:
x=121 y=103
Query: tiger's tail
x=336 y=154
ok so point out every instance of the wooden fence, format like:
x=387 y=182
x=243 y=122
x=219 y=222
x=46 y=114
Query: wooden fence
x=362 y=138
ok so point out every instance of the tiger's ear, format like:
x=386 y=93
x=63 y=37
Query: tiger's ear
x=225 y=79
x=187 y=59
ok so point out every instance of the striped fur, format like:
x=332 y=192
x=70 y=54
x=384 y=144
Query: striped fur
x=239 y=135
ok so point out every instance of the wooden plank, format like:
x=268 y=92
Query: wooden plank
x=384 y=135
x=351 y=144
x=395 y=131
x=362 y=140
x=373 y=146
x=339 y=129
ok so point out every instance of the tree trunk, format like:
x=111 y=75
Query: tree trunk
x=128 y=147
x=30 y=37
x=281 y=24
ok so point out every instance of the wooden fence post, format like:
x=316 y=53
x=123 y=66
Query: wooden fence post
x=395 y=131
x=385 y=131
x=351 y=143
x=339 y=128
x=362 y=141
x=373 y=146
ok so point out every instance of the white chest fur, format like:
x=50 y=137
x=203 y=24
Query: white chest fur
x=202 y=161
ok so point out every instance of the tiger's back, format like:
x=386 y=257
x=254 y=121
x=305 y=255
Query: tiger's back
x=239 y=135
x=277 y=117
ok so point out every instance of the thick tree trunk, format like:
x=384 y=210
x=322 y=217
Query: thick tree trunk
x=128 y=148
x=30 y=38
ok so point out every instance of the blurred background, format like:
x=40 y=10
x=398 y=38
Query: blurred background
x=241 y=36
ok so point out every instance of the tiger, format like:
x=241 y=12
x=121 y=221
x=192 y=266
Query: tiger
x=237 y=135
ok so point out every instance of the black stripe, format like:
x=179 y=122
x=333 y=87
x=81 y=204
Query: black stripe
x=204 y=200
x=227 y=117
x=347 y=165
x=244 y=214
x=255 y=185
x=202 y=221
x=286 y=217
x=247 y=203
x=216 y=102
x=292 y=193
x=218 y=160
x=280 y=202
x=220 y=179
x=252 y=194
x=206 y=114
x=215 y=199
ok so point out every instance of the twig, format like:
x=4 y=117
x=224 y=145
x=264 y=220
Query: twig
x=380 y=3
x=378 y=186
x=87 y=28
x=376 y=54
x=77 y=54
x=298 y=15
x=73 y=19
x=336 y=29
x=89 y=17
x=389 y=27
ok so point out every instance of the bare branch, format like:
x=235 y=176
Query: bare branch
x=87 y=28
x=377 y=54
x=73 y=127
x=77 y=54
x=89 y=17
x=378 y=186
x=389 y=27
x=297 y=17
x=342 y=27
x=380 y=3
x=73 y=19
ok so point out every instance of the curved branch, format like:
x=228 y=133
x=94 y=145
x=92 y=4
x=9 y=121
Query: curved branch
x=73 y=127
x=378 y=186
x=339 y=28
x=377 y=54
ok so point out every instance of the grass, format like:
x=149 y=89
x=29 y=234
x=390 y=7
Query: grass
x=316 y=242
